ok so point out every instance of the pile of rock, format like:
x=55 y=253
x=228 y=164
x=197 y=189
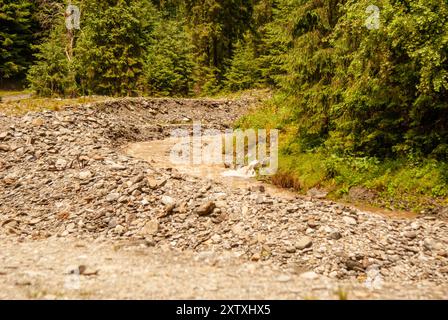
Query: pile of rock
x=61 y=174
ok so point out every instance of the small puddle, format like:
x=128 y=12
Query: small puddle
x=159 y=154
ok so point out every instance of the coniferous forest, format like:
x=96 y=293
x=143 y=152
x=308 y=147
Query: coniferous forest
x=359 y=87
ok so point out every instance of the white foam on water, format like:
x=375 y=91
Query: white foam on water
x=243 y=172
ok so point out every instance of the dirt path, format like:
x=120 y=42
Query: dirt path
x=49 y=269
x=81 y=219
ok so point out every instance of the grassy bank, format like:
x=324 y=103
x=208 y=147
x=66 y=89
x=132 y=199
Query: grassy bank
x=415 y=184
x=21 y=102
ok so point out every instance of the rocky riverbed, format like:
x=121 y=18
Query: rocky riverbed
x=64 y=177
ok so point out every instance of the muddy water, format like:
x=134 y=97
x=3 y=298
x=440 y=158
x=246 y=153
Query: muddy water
x=159 y=154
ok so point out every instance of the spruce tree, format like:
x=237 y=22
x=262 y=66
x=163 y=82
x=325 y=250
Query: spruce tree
x=216 y=26
x=169 y=63
x=111 y=49
x=244 y=72
x=53 y=73
x=16 y=38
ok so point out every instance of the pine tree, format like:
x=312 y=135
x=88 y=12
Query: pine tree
x=111 y=49
x=244 y=72
x=16 y=38
x=307 y=67
x=169 y=62
x=394 y=79
x=53 y=73
x=216 y=26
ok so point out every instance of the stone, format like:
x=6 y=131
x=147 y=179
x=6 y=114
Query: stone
x=152 y=183
x=4 y=147
x=284 y=278
x=309 y=231
x=70 y=227
x=336 y=235
x=291 y=250
x=61 y=164
x=170 y=208
x=443 y=212
x=313 y=224
x=317 y=193
x=256 y=257
x=221 y=204
x=138 y=179
x=20 y=151
x=361 y=194
x=260 y=199
x=112 y=223
x=151 y=228
x=84 y=271
x=85 y=175
x=237 y=229
x=350 y=221
x=257 y=188
x=442 y=253
x=111 y=197
x=119 y=229
x=3 y=135
x=415 y=225
x=354 y=265
x=118 y=167
x=167 y=200
x=429 y=244
x=303 y=243
x=216 y=238
x=38 y=122
x=122 y=199
x=410 y=234
x=309 y=275
x=97 y=157
x=206 y=208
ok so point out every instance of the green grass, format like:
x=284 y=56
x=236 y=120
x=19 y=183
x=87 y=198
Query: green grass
x=261 y=94
x=8 y=93
x=400 y=184
x=36 y=104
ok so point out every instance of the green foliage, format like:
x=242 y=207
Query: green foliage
x=398 y=183
x=110 y=52
x=215 y=27
x=273 y=45
x=53 y=73
x=16 y=37
x=244 y=72
x=392 y=80
x=207 y=80
x=169 y=64
x=355 y=91
x=359 y=107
